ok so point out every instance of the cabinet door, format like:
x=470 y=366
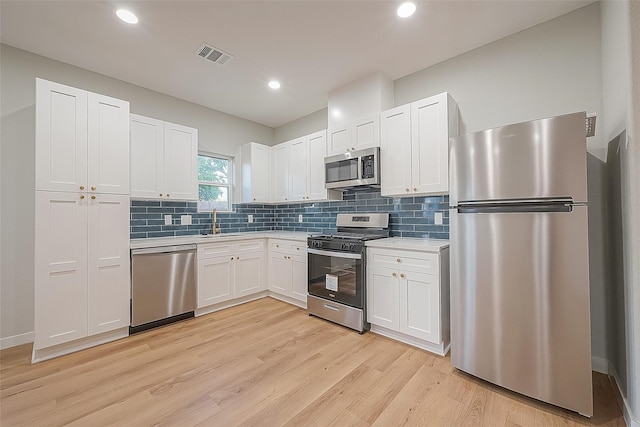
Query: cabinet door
x=298 y=169
x=299 y=281
x=382 y=297
x=317 y=153
x=180 y=162
x=147 y=157
x=280 y=163
x=256 y=173
x=61 y=137
x=108 y=145
x=279 y=273
x=339 y=140
x=420 y=306
x=215 y=280
x=108 y=260
x=250 y=273
x=366 y=133
x=60 y=268
x=430 y=145
x=395 y=151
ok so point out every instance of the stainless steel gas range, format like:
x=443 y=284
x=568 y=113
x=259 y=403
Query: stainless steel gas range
x=337 y=269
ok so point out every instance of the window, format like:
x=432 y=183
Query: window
x=214 y=182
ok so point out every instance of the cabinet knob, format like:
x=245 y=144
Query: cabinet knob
x=297 y=249
x=231 y=258
x=168 y=195
x=82 y=187
x=402 y=275
x=93 y=188
x=394 y=274
x=353 y=149
x=415 y=189
x=254 y=199
x=93 y=197
x=397 y=259
x=160 y=194
x=81 y=196
x=406 y=189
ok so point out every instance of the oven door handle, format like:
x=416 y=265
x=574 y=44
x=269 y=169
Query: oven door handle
x=334 y=254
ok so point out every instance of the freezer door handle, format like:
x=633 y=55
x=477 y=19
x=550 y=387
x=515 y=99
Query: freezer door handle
x=524 y=208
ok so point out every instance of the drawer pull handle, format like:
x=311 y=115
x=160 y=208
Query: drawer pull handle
x=331 y=307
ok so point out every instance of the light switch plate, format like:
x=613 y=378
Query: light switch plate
x=300 y=218
x=167 y=220
x=437 y=218
x=249 y=218
x=185 y=219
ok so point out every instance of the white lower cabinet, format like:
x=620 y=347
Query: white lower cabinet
x=229 y=270
x=288 y=270
x=408 y=296
x=82 y=281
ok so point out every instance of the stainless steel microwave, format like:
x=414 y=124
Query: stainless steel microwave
x=351 y=169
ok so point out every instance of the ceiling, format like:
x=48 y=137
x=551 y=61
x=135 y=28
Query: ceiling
x=311 y=47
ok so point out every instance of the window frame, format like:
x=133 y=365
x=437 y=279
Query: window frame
x=228 y=185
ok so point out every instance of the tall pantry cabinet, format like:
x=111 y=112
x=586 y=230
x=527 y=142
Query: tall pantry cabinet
x=81 y=269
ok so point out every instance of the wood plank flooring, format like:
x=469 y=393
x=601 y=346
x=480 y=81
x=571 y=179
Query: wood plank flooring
x=266 y=363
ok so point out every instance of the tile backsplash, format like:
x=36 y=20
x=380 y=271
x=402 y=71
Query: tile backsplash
x=409 y=216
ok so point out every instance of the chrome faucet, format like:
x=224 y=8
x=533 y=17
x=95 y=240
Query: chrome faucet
x=214 y=215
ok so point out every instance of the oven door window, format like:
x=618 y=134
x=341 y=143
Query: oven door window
x=343 y=170
x=336 y=278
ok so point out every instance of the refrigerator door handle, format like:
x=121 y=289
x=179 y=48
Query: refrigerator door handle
x=503 y=202
x=516 y=208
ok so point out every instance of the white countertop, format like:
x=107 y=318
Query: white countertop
x=187 y=240
x=409 y=243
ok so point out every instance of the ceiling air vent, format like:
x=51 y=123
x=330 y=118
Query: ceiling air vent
x=213 y=54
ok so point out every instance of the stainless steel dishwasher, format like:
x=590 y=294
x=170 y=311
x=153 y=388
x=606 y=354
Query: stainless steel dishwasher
x=163 y=285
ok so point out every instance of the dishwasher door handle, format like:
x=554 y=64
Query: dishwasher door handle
x=163 y=249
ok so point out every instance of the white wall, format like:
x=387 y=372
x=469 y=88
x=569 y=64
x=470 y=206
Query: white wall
x=621 y=100
x=306 y=125
x=550 y=69
x=218 y=133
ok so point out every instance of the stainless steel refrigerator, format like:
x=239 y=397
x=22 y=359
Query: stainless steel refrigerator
x=519 y=259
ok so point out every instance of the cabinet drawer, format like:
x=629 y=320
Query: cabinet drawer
x=420 y=262
x=288 y=246
x=209 y=250
x=249 y=246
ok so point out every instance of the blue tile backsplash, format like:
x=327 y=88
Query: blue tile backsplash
x=409 y=216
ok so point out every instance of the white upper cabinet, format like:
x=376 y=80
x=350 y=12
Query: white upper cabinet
x=298 y=170
x=180 y=162
x=280 y=157
x=82 y=140
x=164 y=160
x=356 y=135
x=315 y=179
x=414 y=146
x=255 y=169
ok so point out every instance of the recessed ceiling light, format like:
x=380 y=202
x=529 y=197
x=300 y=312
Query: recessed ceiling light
x=274 y=84
x=127 y=16
x=406 y=9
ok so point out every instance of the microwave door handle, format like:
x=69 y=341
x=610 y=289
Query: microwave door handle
x=334 y=254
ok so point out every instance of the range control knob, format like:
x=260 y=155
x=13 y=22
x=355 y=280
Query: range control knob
x=348 y=246
x=317 y=244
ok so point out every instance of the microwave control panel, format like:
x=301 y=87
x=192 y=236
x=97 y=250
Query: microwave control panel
x=368 y=167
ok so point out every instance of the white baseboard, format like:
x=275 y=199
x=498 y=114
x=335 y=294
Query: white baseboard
x=15 y=340
x=626 y=410
x=599 y=364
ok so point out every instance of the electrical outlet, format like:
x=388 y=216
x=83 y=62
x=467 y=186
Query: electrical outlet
x=167 y=220
x=249 y=218
x=185 y=219
x=438 y=218
x=300 y=218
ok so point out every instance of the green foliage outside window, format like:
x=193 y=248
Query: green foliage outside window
x=213 y=183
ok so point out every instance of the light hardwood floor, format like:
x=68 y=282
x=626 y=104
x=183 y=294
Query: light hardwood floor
x=266 y=363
